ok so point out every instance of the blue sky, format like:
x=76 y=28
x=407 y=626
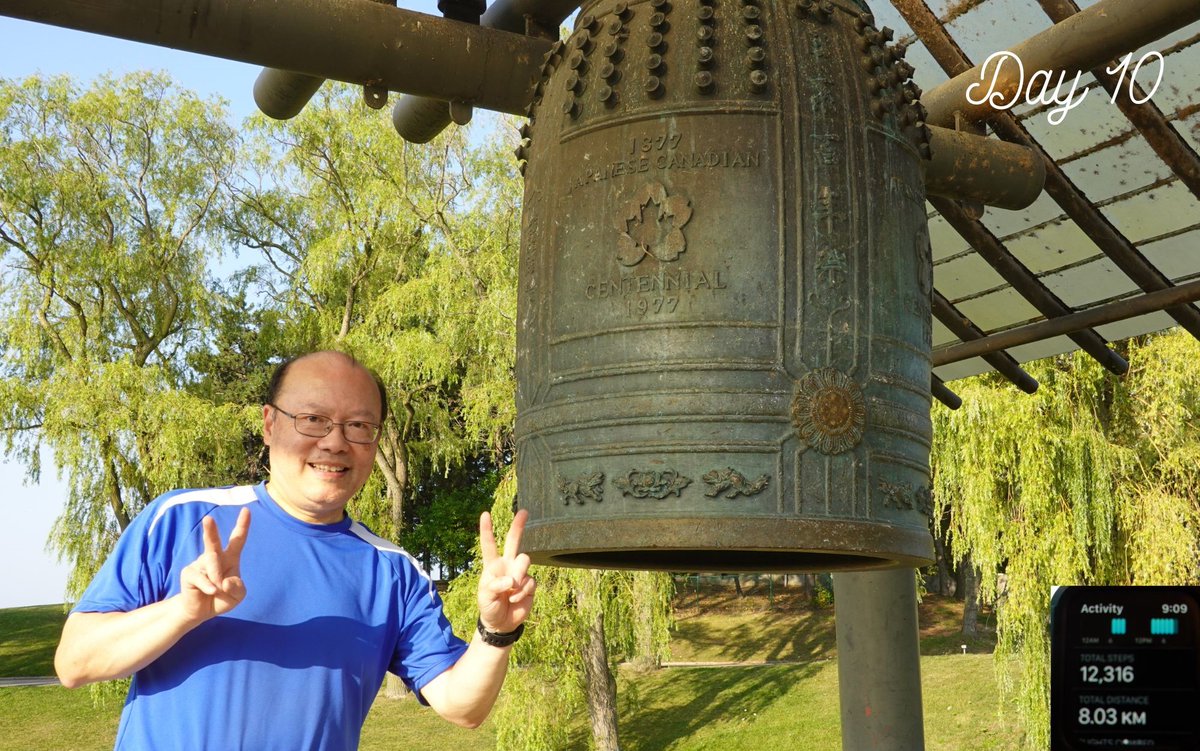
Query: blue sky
x=33 y=576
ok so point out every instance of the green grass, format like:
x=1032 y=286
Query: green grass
x=787 y=707
x=768 y=708
x=757 y=637
x=959 y=694
x=397 y=725
x=51 y=717
x=941 y=624
x=28 y=637
x=754 y=708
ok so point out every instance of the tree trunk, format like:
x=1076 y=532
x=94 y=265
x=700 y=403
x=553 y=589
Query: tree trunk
x=945 y=580
x=347 y=314
x=392 y=459
x=970 y=597
x=394 y=688
x=645 y=656
x=120 y=511
x=601 y=688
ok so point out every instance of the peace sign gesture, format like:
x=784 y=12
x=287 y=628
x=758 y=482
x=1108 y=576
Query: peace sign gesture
x=505 y=588
x=212 y=584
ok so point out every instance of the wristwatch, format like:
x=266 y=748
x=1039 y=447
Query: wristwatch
x=496 y=638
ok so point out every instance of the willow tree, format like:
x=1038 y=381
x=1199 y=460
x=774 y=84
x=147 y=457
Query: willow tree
x=106 y=199
x=584 y=622
x=404 y=255
x=1092 y=480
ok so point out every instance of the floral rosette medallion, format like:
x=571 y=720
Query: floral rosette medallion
x=829 y=411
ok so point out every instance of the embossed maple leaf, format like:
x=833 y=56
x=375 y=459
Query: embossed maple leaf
x=651 y=224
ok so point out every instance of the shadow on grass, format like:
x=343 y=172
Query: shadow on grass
x=686 y=598
x=28 y=638
x=710 y=635
x=675 y=703
x=769 y=637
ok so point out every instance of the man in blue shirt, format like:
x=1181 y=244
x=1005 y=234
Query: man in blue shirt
x=280 y=637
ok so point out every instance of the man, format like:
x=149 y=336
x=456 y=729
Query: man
x=280 y=638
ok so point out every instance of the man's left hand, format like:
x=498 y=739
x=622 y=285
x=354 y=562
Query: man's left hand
x=505 y=587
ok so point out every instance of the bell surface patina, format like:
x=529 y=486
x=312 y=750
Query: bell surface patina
x=724 y=311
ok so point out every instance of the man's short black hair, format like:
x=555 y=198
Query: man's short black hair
x=281 y=370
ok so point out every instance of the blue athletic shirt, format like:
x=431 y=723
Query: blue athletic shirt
x=296 y=665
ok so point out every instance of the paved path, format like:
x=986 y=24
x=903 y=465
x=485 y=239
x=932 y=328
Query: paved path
x=739 y=663
x=45 y=680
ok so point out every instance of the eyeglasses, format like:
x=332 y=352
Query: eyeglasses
x=319 y=426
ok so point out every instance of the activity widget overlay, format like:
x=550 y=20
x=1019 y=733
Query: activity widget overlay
x=1125 y=668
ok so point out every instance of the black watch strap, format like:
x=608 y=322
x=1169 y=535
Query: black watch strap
x=497 y=639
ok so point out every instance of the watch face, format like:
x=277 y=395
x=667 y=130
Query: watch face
x=1125 y=668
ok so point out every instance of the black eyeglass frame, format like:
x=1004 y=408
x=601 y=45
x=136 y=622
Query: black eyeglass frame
x=330 y=422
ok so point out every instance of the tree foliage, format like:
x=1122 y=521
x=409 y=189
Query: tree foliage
x=1092 y=480
x=129 y=349
x=106 y=201
x=139 y=360
x=125 y=351
x=445 y=529
x=402 y=254
x=549 y=681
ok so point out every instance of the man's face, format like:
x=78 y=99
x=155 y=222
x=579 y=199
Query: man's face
x=314 y=478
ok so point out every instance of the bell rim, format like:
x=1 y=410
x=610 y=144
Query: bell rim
x=728 y=545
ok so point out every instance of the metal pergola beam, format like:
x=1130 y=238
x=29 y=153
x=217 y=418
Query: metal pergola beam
x=961 y=326
x=1116 y=246
x=1080 y=210
x=1024 y=281
x=356 y=41
x=1146 y=117
x=1035 y=332
x=1085 y=40
x=283 y=93
x=942 y=393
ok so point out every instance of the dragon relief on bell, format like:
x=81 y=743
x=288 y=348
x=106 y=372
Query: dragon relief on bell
x=651 y=224
x=581 y=489
x=829 y=411
x=905 y=496
x=729 y=483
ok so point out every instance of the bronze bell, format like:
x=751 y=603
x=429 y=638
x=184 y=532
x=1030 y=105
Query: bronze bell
x=724 y=316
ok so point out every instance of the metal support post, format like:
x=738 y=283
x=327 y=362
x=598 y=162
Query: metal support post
x=879 y=662
x=421 y=119
x=965 y=166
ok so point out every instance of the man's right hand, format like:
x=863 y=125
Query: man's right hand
x=100 y=646
x=212 y=584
